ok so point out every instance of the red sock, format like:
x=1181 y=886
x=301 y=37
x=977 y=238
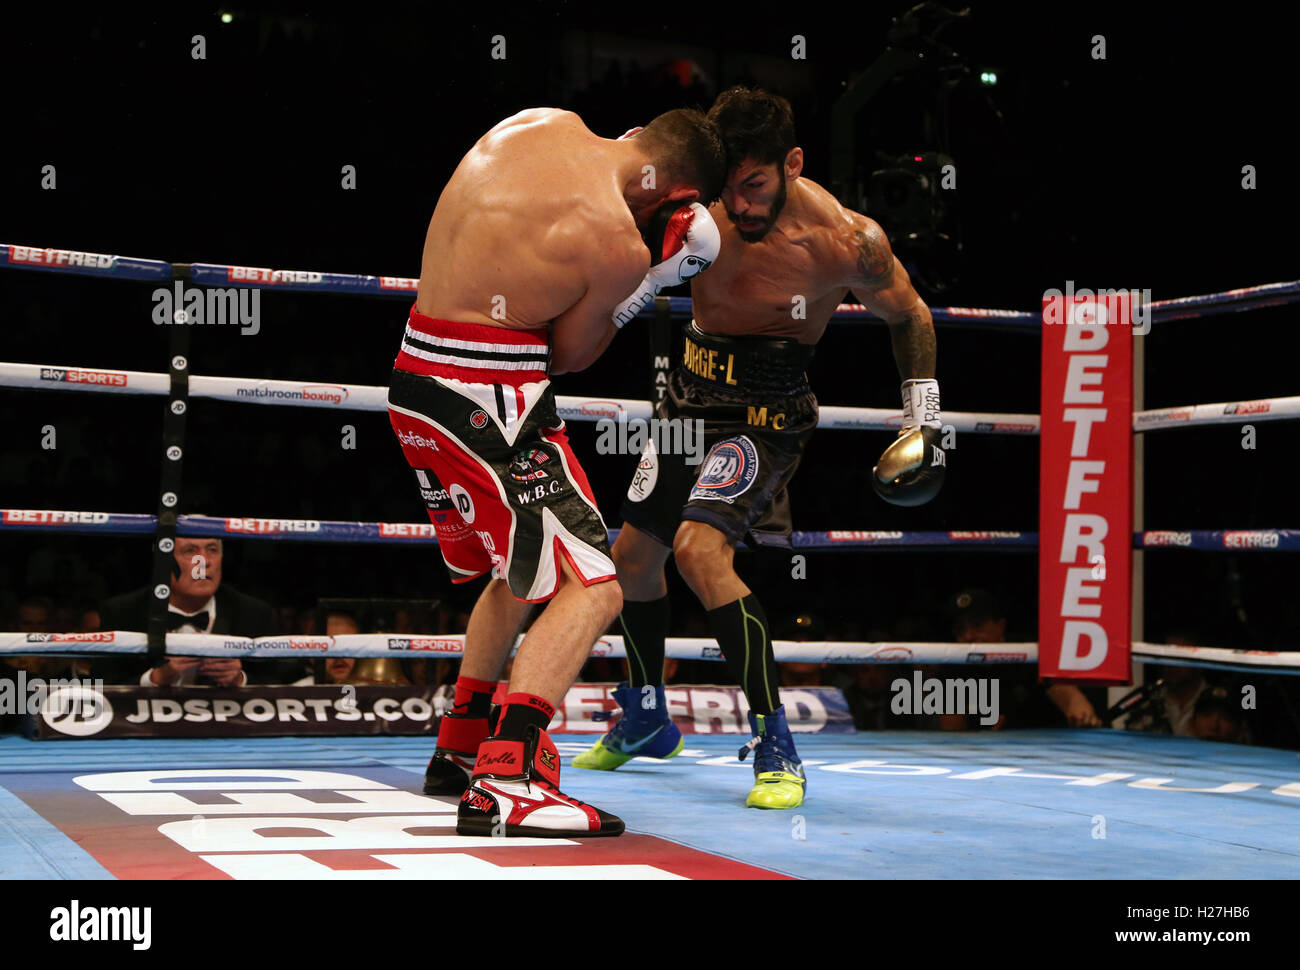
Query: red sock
x=473 y=697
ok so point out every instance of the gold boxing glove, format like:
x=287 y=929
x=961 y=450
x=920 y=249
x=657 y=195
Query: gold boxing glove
x=910 y=472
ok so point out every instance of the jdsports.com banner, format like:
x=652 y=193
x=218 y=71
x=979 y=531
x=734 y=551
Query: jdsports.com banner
x=1085 y=508
x=201 y=712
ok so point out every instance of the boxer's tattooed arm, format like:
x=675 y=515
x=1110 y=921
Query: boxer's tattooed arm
x=875 y=258
x=882 y=284
x=912 y=336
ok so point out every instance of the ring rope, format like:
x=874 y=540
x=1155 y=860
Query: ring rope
x=224 y=274
x=366 y=397
x=423 y=533
x=419 y=646
x=423 y=647
x=369 y=397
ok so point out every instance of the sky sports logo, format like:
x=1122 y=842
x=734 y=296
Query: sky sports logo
x=448 y=645
x=72 y=375
x=98 y=924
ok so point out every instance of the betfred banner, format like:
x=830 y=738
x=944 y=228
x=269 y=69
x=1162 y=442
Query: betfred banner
x=211 y=712
x=707 y=710
x=1085 y=508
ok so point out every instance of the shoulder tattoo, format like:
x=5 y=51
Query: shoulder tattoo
x=875 y=259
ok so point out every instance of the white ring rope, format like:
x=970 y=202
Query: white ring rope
x=367 y=397
x=408 y=646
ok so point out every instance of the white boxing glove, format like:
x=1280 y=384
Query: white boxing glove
x=685 y=239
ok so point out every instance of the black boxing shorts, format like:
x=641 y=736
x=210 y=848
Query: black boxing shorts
x=757 y=412
x=475 y=414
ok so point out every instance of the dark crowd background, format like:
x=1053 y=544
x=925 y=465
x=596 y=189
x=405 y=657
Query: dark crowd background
x=1123 y=172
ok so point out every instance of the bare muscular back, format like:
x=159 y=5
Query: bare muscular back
x=809 y=253
x=511 y=239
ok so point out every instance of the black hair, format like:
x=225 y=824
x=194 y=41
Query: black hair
x=754 y=124
x=686 y=149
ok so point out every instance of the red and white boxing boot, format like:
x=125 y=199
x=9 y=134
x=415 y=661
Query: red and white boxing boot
x=515 y=791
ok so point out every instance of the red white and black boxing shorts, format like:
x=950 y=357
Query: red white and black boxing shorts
x=475 y=414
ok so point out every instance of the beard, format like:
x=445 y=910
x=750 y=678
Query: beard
x=768 y=221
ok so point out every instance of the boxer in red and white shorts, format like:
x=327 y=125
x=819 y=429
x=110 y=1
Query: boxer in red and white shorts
x=500 y=482
x=530 y=257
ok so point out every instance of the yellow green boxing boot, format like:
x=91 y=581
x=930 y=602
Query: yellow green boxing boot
x=644 y=730
x=778 y=772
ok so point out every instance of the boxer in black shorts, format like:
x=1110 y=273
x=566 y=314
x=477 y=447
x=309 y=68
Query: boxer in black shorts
x=790 y=254
x=758 y=412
